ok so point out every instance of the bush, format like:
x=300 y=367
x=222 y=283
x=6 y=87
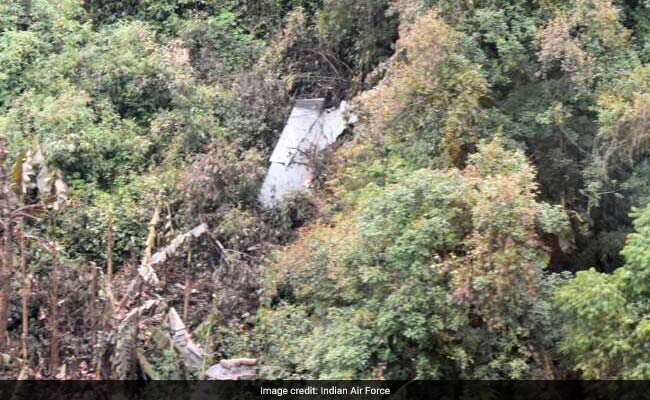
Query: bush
x=439 y=275
x=605 y=327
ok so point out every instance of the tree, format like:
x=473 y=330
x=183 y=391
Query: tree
x=440 y=275
x=428 y=102
x=605 y=325
x=8 y=207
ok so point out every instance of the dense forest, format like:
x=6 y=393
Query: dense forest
x=487 y=216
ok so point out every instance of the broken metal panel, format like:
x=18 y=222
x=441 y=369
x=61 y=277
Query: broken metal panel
x=146 y=270
x=333 y=124
x=308 y=128
x=194 y=356
x=282 y=179
x=170 y=249
x=182 y=341
x=299 y=125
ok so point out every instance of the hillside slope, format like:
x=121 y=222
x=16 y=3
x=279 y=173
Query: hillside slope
x=486 y=217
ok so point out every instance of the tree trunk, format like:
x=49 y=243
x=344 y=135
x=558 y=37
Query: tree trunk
x=5 y=275
x=187 y=294
x=188 y=286
x=6 y=247
x=54 y=312
x=109 y=249
x=25 y=293
x=93 y=305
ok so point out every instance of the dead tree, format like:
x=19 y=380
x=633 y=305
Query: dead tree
x=54 y=310
x=25 y=293
x=15 y=206
x=109 y=248
x=53 y=319
x=7 y=207
x=93 y=305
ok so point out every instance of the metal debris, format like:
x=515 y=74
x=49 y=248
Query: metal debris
x=193 y=355
x=235 y=369
x=171 y=248
x=308 y=127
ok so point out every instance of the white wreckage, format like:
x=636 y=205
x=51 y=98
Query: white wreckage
x=194 y=357
x=308 y=128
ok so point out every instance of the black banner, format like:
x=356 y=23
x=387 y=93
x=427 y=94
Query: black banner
x=369 y=390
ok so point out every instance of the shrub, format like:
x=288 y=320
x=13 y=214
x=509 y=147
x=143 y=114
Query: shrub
x=439 y=275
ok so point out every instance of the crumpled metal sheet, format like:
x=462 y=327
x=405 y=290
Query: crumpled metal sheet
x=170 y=249
x=308 y=127
x=304 y=116
x=192 y=354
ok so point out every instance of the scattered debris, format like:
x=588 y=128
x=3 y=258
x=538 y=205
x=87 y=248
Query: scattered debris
x=182 y=341
x=308 y=127
x=194 y=356
x=146 y=268
x=235 y=369
x=171 y=248
x=121 y=340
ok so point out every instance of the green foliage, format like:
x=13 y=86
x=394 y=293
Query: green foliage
x=622 y=139
x=108 y=106
x=637 y=187
x=17 y=50
x=253 y=113
x=222 y=177
x=266 y=17
x=425 y=253
x=10 y=14
x=220 y=46
x=83 y=226
x=66 y=126
x=430 y=277
x=427 y=106
x=332 y=53
x=359 y=33
x=167 y=15
x=604 y=316
x=641 y=28
x=127 y=67
x=556 y=74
